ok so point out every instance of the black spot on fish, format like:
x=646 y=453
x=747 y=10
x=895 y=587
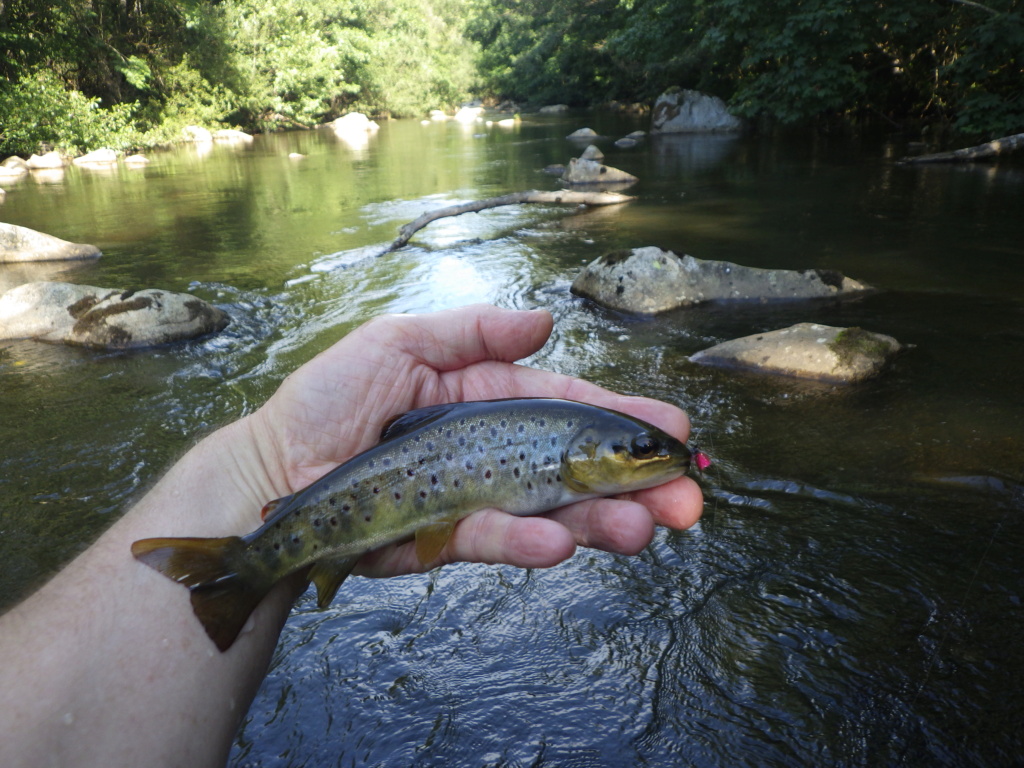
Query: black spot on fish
x=533 y=467
x=333 y=521
x=494 y=432
x=480 y=449
x=405 y=449
x=558 y=477
x=554 y=440
x=535 y=442
x=482 y=422
x=448 y=434
x=332 y=501
x=430 y=445
x=368 y=516
x=516 y=471
x=410 y=473
x=370 y=464
x=472 y=429
x=423 y=494
x=504 y=423
x=529 y=486
x=421 y=460
x=508 y=441
x=346 y=508
x=521 y=428
x=316 y=522
x=462 y=440
x=456 y=483
x=522 y=456
x=277 y=546
x=376 y=489
x=487 y=474
x=448 y=456
x=433 y=479
x=398 y=496
x=386 y=462
x=469 y=465
x=540 y=423
x=295 y=539
x=568 y=423
x=549 y=481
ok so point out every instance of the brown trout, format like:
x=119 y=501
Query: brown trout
x=431 y=468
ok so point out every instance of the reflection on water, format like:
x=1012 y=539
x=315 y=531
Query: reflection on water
x=852 y=595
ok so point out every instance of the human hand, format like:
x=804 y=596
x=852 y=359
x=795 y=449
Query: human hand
x=335 y=406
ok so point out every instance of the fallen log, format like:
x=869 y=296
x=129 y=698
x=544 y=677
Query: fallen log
x=971 y=154
x=529 y=196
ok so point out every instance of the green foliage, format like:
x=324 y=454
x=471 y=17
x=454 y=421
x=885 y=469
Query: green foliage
x=38 y=112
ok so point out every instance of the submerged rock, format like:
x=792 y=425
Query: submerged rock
x=807 y=350
x=650 y=280
x=581 y=171
x=24 y=244
x=232 y=136
x=197 y=134
x=554 y=109
x=592 y=153
x=583 y=133
x=104 y=318
x=683 y=111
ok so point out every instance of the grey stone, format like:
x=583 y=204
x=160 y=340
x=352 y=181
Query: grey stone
x=582 y=171
x=97 y=157
x=24 y=244
x=626 y=143
x=592 y=153
x=682 y=111
x=583 y=133
x=554 y=109
x=45 y=161
x=650 y=280
x=807 y=350
x=104 y=318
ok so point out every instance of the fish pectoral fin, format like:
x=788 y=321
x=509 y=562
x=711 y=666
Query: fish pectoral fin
x=430 y=540
x=328 y=574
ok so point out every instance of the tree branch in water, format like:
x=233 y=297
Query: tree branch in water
x=529 y=196
x=971 y=154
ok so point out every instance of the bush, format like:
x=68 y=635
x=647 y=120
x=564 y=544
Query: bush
x=38 y=113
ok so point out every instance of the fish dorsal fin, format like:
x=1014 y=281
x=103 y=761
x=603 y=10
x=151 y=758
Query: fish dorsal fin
x=406 y=422
x=328 y=574
x=431 y=538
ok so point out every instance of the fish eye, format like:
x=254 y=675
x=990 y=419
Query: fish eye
x=644 y=446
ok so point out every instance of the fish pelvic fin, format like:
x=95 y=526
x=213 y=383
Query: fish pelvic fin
x=431 y=539
x=222 y=598
x=328 y=574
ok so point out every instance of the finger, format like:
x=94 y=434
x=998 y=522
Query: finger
x=676 y=504
x=489 y=536
x=452 y=339
x=612 y=525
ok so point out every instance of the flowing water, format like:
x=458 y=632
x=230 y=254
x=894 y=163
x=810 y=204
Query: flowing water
x=852 y=595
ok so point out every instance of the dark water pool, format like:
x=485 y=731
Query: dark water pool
x=852 y=596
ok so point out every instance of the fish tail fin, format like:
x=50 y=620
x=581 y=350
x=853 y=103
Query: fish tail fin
x=222 y=598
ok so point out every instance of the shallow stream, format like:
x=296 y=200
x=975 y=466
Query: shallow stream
x=852 y=596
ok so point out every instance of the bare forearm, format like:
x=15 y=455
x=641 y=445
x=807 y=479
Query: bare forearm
x=106 y=665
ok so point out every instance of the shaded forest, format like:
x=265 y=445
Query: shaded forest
x=77 y=74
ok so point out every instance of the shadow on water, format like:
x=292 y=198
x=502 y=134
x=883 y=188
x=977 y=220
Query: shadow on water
x=852 y=595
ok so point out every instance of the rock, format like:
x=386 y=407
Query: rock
x=682 y=111
x=49 y=160
x=24 y=244
x=592 y=153
x=438 y=115
x=650 y=280
x=554 y=109
x=468 y=114
x=353 y=122
x=197 y=134
x=102 y=318
x=636 y=135
x=626 y=143
x=232 y=136
x=136 y=160
x=15 y=163
x=97 y=157
x=807 y=350
x=3 y=194
x=11 y=174
x=554 y=170
x=583 y=133
x=592 y=172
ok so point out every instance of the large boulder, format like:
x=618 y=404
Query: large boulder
x=104 y=318
x=24 y=244
x=581 y=171
x=807 y=350
x=46 y=161
x=104 y=156
x=682 y=111
x=650 y=280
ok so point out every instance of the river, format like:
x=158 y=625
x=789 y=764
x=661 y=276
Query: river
x=852 y=595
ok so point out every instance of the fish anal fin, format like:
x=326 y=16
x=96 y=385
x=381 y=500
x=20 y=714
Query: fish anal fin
x=222 y=598
x=431 y=539
x=328 y=574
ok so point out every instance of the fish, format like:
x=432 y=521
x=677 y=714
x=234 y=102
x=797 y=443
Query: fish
x=431 y=467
